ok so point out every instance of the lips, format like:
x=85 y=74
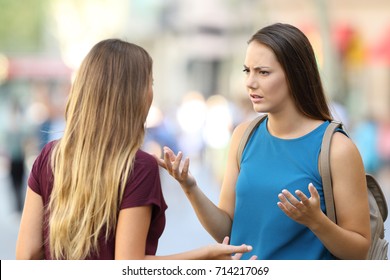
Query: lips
x=255 y=98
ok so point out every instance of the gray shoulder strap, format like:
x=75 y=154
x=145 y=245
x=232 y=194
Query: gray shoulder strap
x=325 y=169
x=247 y=134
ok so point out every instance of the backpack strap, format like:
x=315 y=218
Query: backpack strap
x=372 y=185
x=325 y=169
x=247 y=134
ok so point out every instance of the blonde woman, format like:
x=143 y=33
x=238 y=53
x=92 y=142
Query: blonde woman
x=94 y=194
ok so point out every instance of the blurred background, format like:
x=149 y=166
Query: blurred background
x=198 y=49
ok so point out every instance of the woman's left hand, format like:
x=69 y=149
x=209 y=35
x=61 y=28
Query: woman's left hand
x=224 y=251
x=301 y=209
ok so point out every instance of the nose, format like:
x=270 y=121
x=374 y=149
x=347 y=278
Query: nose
x=251 y=82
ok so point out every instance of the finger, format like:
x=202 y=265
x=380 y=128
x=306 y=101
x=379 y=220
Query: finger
x=254 y=257
x=176 y=163
x=167 y=149
x=226 y=240
x=283 y=208
x=304 y=199
x=249 y=248
x=160 y=161
x=286 y=206
x=283 y=199
x=237 y=256
x=241 y=249
x=168 y=163
x=186 y=167
x=295 y=204
x=284 y=203
x=170 y=153
x=313 y=191
x=291 y=198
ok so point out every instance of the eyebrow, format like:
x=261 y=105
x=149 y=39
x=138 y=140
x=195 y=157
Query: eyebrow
x=257 y=68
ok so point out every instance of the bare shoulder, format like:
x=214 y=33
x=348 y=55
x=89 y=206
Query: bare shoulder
x=235 y=140
x=349 y=185
x=242 y=127
x=346 y=163
x=343 y=148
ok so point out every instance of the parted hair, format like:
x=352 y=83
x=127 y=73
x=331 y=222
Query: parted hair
x=105 y=116
x=296 y=56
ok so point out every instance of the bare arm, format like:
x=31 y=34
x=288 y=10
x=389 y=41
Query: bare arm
x=130 y=243
x=219 y=251
x=29 y=245
x=217 y=220
x=227 y=199
x=132 y=230
x=350 y=238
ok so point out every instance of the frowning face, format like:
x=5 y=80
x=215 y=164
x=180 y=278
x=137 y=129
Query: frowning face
x=265 y=80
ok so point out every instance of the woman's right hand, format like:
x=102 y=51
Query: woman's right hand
x=176 y=168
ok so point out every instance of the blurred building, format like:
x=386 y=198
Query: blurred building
x=200 y=45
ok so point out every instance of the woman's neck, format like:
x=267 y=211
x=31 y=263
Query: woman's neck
x=290 y=126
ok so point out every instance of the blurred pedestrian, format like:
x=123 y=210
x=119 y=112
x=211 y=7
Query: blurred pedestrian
x=93 y=194
x=275 y=200
x=16 y=137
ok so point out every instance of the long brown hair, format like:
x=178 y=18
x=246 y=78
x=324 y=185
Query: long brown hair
x=105 y=117
x=296 y=56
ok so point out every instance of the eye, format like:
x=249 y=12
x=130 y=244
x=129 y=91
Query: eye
x=264 y=73
x=245 y=70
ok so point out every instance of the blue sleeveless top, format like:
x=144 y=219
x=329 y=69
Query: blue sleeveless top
x=269 y=165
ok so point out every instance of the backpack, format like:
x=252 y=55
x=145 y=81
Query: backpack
x=377 y=202
x=376 y=199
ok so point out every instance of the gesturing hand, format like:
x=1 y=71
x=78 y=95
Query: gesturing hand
x=176 y=168
x=224 y=251
x=303 y=210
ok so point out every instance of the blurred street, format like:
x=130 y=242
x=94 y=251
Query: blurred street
x=9 y=219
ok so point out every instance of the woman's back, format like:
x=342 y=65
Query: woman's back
x=143 y=188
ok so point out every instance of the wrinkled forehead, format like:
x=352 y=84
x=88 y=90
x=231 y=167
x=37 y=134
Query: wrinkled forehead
x=259 y=55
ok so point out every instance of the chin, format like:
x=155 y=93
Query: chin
x=259 y=109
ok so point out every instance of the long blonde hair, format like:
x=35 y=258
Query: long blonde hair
x=105 y=117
